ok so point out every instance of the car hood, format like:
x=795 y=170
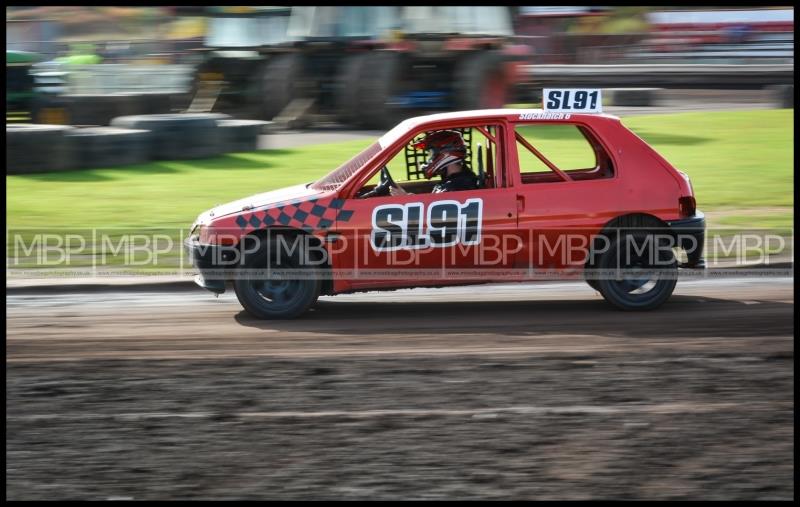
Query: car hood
x=258 y=201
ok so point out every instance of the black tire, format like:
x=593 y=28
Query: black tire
x=479 y=82
x=279 y=84
x=32 y=148
x=379 y=84
x=178 y=136
x=627 y=291
x=240 y=135
x=98 y=147
x=266 y=299
x=349 y=84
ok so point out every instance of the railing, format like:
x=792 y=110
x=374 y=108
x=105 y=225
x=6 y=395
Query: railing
x=661 y=75
x=661 y=47
x=103 y=79
x=121 y=78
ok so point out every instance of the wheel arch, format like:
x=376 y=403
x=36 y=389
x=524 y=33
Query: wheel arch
x=314 y=241
x=626 y=221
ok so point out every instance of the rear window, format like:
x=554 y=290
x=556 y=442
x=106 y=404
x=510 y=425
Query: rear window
x=569 y=148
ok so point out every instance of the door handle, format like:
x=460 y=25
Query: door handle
x=520 y=203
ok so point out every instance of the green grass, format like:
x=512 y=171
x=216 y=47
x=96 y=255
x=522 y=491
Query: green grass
x=741 y=159
x=782 y=221
x=162 y=194
x=738 y=159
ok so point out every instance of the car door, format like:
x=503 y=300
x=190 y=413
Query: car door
x=429 y=239
x=566 y=191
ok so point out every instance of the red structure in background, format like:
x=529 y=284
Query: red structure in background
x=545 y=29
x=675 y=30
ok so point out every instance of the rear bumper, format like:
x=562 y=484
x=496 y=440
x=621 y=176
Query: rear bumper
x=691 y=234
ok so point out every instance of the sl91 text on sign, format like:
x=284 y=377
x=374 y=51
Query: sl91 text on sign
x=572 y=100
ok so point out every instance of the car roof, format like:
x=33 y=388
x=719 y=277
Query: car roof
x=511 y=115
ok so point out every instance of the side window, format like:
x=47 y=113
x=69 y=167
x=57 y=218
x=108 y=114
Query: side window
x=552 y=153
x=405 y=166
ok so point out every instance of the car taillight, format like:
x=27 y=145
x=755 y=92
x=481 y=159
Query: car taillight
x=687 y=206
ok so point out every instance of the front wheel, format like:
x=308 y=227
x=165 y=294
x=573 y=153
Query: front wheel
x=273 y=297
x=638 y=272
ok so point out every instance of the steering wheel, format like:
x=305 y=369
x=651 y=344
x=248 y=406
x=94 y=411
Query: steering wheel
x=382 y=188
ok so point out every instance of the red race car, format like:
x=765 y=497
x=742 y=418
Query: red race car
x=465 y=198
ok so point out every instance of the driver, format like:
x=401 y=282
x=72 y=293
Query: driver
x=447 y=153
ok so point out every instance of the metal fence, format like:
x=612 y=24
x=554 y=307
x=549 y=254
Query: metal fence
x=714 y=47
x=103 y=79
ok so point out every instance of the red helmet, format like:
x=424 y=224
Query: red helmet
x=446 y=147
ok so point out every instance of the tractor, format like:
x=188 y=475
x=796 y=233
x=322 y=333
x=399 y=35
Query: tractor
x=20 y=86
x=239 y=45
x=372 y=66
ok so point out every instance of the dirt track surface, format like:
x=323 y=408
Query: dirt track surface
x=512 y=392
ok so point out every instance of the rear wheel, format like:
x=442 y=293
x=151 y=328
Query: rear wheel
x=266 y=297
x=637 y=272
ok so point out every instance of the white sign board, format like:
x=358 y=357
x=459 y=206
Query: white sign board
x=572 y=100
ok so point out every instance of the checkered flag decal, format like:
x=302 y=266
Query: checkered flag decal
x=310 y=215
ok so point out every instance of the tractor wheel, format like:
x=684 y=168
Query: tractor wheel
x=480 y=82
x=379 y=80
x=349 y=84
x=279 y=85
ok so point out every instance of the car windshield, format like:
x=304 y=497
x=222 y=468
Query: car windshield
x=340 y=175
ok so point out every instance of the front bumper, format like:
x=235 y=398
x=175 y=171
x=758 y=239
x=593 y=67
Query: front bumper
x=209 y=260
x=691 y=234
